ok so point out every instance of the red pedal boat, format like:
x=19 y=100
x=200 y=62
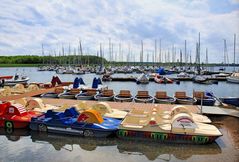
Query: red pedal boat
x=15 y=115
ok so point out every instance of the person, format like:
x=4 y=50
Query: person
x=2 y=83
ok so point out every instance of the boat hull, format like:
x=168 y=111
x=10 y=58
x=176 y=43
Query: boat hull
x=123 y=99
x=14 y=82
x=98 y=97
x=233 y=80
x=49 y=95
x=166 y=137
x=84 y=97
x=169 y=100
x=16 y=124
x=66 y=95
x=206 y=102
x=186 y=101
x=230 y=100
x=74 y=131
x=144 y=100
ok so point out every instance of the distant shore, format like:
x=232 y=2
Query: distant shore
x=19 y=65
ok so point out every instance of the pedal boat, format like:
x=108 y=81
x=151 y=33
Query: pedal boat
x=69 y=94
x=143 y=97
x=124 y=96
x=15 y=115
x=203 y=99
x=105 y=95
x=88 y=124
x=88 y=94
x=181 y=128
x=182 y=98
x=162 y=98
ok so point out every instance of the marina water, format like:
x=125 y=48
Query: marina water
x=25 y=145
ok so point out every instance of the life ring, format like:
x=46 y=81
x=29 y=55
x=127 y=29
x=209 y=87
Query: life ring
x=88 y=133
x=42 y=128
x=8 y=124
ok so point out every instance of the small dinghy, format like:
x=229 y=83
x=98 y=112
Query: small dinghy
x=124 y=96
x=87 y=94
x=143 y=97
x=142 y=79
x=105 y=95
x=162 y=80
x=182 y=98
x=163 y=98
x=203 y=99
x=201 y=80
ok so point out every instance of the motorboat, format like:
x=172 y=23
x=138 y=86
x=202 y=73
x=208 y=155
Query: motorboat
x=13 y=80
x=142 y=79
x=163 y=98
x=234 y=78
x=162 y=80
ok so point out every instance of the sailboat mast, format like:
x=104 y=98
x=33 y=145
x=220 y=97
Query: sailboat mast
x=234 y=52
x=42 y=47
x=155 y=52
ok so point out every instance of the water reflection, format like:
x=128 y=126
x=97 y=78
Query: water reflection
x=151 y=150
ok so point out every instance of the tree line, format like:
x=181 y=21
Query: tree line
x=62 y=60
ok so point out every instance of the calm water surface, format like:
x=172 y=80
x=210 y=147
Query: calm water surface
x=23 y=145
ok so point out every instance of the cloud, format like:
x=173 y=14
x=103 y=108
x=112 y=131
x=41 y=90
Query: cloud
x=25 y=25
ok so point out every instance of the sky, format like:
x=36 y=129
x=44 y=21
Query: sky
x=26 y=25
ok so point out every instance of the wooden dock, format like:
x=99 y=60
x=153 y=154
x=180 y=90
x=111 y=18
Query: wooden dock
x=133 y=79
x=118 y=105
x=207 y=110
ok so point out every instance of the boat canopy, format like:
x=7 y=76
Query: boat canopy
x=179 y=109
x=76 y=83
x=95 y=83
x=161 y=71
x=102 y=107
x=90 y=116
x=183 y=120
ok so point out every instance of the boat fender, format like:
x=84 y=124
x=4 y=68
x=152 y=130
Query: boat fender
x=8 y=124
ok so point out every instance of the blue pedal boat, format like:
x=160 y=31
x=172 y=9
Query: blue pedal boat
x=89 y=123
